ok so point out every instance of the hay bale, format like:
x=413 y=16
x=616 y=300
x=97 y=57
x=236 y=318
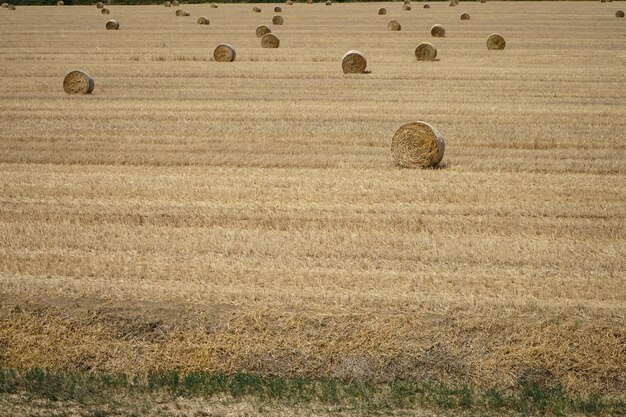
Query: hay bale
x=269 y=40
x=309 y=1
x=181 y=12
x=262 y=30
x=425 y=51
x=11 y=7
x=465 y=16
x=483 y=1
x=256 y=9
x=394 y=25
x=406 y=7
x=427 y=6
x=60 y=3
x=112 y=25
x=602 y=1
x=417 y=145
x=382 y=11
x=277 y=20
x=452 y=4
x=167 y=4
x=213 y=6
x=224 y=53
x=99 y=5
x=437 y=31
x=353 y=62
x=175 y=3
x=278 y=9
x=78 y=82
x=329 y=3
x=5 y=5
x=496 y=41
x=289 y=3
x=203 y=20
x=619 y=13
x=105 y=11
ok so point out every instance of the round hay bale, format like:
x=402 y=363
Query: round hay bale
x=224 y=53
x=309 y=1
x=353 y=62
x=99 y=5
x=5 y=5
x=105 y=11
x=382 y=11
x=417 y=145
x=60 y=3
x=185 y=14
x=406 y=7
x=289 y=3
x=179 y=12
x=602 y=1
x=262 y=30
x=11 y=7
x=496 y=41
x=452 y=4
x=425 y=51
x=329 y=3
x=203 y=20
x=483 y=1
x=112 y=25
x=619 y=13
x=256 y=9
x=213 y=6
x=78 y=82
x=437 y=31
x=278 y=9
x=427 y=6
x=269 y=40
x=167 y=4
x=465 y=16
x=277 y=20
x=175 y=3
x=394 y=25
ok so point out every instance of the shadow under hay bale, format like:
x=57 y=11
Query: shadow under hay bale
x=78 y=82
x=417 y=145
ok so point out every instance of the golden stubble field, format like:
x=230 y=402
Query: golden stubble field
x=248 y=216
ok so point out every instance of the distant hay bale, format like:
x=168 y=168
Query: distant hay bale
x=175 y=3
x=213 y=6
x=619 y=13
x=5 y=5
x=483 y=1
x=425 y=51
x=224 y=53
x=417 y=145
x=78 y=82
x=167 y=4
x=289 y=3
x=406 y=7
x=60 y=3
x=437 y=31
x=309 y=1
x=407 y=2
x=329 y=3
x=602 y=1
x=203 y=20
x=112 y=25
x=496 y=41
x=382 y=11
x=394 y=25
x=105 y=11
x=277 y=20
x=452 y=4
x=353 y=62
x=427 y=6
x=256 y=9
x=11 y=7
x=262 y=30
x=465 y=16
x=99 y=5
x=269 y=40
x=181 y=12
x=277 y=9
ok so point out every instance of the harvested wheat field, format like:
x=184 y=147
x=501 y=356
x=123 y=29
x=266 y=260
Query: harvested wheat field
x=248 y=216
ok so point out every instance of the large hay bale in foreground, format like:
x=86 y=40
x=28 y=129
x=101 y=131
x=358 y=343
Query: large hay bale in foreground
x=112 y=25
x=167 y=4
x=105 y=11
x=382 y=11
x=353 y=62
x=406 y=7
x=425 y=51
x=465 y=16
x=394 y=25
x=224 y=53
x=278 y=9
x=262 y=30
x=99 y=5
x=438 y=31
x=427 y=6
x=78 y=82
x=203 y=20
x=277 y=20
x=256 y=9
x=495 y=41
x=417 y=145
x=619 y=13
x=269 y=40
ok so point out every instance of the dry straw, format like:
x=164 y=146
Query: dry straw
x=105 y=11
x=99 y=5
x=465 y=16
x=425 y=51
x=496 y=41
x=427 y=6
x=353 y=62
x=269 y=40
x=213 y=6
x=406 y=7
x=277 y=9
x=203 y=20
x=262 y=30
x=112 y=25
x=619 y=13
x=277 y=20
x=417 y=145
x=167 y=4
x=78 y=82
x=382 y=11
x=224 y=53
x=394 y=25
x=256 y=9
x=437 y=31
